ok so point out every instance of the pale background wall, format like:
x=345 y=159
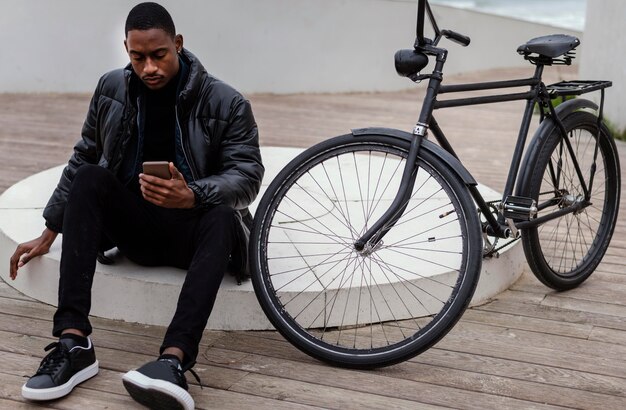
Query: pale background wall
x=280 y=46
x=605 y=51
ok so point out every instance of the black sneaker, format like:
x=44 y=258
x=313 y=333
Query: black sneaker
x=65 y=367
x=160 y=385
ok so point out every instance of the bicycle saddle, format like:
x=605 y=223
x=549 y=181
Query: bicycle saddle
x=551 y=46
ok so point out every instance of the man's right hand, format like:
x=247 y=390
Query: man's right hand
x=29 y=250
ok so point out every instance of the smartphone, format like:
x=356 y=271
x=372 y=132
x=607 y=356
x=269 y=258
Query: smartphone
x=159 y=169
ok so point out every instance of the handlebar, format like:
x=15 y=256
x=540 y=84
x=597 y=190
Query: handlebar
x=456 y=37
x=423 y=8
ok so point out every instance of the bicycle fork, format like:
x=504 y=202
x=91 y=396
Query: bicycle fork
x=373 y=236
x=371 y=239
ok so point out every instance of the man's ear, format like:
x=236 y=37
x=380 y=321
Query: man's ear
x=125 y=46
x=178 y=40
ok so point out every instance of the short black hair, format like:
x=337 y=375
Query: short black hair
x=149 y=15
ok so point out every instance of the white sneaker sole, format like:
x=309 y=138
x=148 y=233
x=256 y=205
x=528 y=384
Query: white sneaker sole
x=62 y=390
x=156 y=393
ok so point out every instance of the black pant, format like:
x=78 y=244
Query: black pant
x=199 y=240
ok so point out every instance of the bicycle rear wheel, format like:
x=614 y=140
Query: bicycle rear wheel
x=376 y=307
x=563 y=252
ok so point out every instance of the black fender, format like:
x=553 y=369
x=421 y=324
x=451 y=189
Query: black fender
x=452 y=162
x=545 y=129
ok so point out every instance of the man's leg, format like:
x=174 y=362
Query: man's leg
x=97 y=204
x=211 y=240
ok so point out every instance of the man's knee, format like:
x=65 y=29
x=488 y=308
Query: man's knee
x=223 y=212
x=90 y=177
x=91 y=172
x=219 y=219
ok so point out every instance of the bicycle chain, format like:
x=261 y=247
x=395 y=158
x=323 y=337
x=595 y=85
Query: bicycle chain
x=506 y=244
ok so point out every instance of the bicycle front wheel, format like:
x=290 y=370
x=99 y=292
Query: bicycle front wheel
x=563 y=252
x=378 y=306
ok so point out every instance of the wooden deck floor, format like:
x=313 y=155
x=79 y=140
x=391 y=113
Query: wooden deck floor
x=528 y=348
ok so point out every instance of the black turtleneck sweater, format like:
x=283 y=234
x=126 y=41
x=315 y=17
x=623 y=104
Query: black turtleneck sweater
x=160 y=122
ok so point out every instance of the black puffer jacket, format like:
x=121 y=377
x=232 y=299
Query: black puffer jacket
x=217 y=135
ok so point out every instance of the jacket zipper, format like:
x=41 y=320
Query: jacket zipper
x=182 y=145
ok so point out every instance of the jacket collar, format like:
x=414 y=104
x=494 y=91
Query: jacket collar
x=195 y=77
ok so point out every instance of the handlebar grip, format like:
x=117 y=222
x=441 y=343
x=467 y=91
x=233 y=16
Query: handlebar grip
x=456 y=37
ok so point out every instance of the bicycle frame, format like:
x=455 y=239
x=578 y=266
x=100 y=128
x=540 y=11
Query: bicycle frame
x=537 y=94
x=500 y=226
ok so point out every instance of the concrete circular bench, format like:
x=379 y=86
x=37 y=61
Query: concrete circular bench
x=148 y=295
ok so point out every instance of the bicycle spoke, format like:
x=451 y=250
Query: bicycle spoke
x=312 y=300
x=308 y=269
x=358 y=184
x=345 y=240
x=328 y=211
x=411 y=315
x=323 y=310
x=412 y=284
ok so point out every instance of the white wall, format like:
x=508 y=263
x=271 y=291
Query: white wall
x=279 y=46
x=605 y=52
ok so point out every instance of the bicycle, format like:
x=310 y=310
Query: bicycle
x=374 y=278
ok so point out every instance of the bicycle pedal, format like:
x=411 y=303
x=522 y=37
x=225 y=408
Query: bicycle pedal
x=519 y=208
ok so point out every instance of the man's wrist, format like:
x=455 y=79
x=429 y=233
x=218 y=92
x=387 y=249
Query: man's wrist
x=48 y=235
x=191 y=202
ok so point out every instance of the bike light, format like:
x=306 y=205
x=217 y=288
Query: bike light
x=409 y=62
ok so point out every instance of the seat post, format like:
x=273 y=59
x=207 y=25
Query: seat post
x=538 y=72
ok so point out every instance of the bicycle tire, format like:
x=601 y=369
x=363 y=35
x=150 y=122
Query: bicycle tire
x=564 y=252
x=305 y=227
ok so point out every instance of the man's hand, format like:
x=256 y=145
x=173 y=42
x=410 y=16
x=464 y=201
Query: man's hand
x=29 y=250
x=168 y=193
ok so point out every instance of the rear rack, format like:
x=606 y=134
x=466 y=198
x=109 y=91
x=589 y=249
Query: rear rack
x=576 y=87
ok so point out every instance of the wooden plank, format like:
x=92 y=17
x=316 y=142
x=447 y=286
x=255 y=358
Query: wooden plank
x=335 y=398
x=21 y=405
x=515 y=321
x=526 y=297
x=278 y=348
x=608 y=335
x=507 y=387
x=544 y=374
x=610 y=277
x=588 y=348
x=6 y=291
x=534 y=353
x=554 y=314
x=592 y=289
x=422 y=382
x=248 y=400
x=584 y=305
